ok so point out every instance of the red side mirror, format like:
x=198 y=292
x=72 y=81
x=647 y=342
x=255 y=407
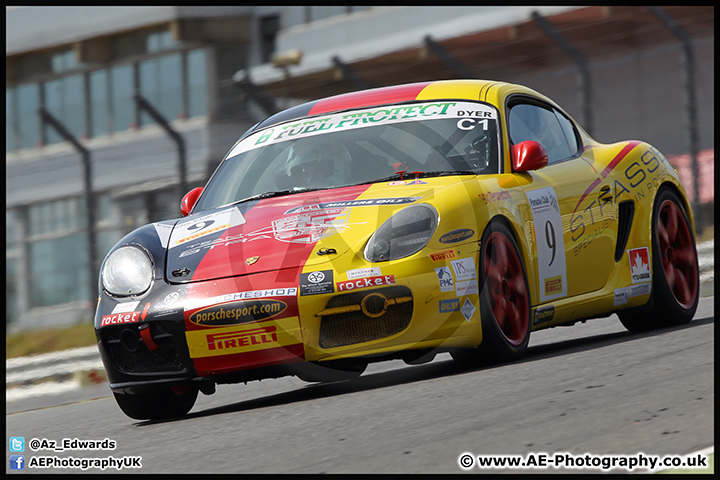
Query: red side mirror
x=528 y=155
x=188 y=201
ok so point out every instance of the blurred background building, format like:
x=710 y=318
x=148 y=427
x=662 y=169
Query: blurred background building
x=137 y=105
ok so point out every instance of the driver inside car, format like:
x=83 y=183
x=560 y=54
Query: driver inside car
x=317 y=163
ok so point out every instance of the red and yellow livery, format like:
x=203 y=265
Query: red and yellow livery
x=398 y=222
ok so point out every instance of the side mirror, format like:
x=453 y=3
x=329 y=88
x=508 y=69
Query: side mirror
x=188 y=201
x=528 y=155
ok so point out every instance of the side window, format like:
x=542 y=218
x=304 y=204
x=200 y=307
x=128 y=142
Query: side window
x=569 y=132
x=531 y=122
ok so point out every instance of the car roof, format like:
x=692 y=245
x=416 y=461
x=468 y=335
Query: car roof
x=489 y=91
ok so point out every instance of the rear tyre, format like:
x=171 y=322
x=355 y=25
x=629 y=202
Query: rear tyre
x=158 y=404
x=675 y=273
x=504 y=300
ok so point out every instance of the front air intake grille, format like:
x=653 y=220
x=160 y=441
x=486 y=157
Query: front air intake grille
x=371 y=323
x=129 y=354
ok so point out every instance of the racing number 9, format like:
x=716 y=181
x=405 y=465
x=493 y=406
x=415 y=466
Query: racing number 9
x=550 y=239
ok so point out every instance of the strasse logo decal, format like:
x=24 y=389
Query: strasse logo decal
x=236 y=313
x=234 y=340
x=120 y=318
x=639 y=265
x=365 y=282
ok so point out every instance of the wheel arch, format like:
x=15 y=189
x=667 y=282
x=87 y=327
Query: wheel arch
x=680 y=192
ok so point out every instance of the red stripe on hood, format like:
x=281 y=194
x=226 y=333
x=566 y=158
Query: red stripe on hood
x=281 y=240
x=368 y=98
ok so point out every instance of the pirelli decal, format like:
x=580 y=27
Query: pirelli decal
x=244 y=338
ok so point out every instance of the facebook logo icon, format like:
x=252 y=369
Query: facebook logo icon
x=17 y=462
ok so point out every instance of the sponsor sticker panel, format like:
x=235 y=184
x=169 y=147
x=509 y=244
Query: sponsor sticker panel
x=203 y=226
x=451 y=305
x=444 y=255
x=464 y=269
x=549 y=242
x=620 y=296
x=468 y=309
x=363 y=272
x=639 y=259
x=468 y=287
x=237 y=313
x=315 y=283
x=250 y=337
x=445 y=279
x=544 y=314
x=456 y=236
x=236 y=296
x=365 y=283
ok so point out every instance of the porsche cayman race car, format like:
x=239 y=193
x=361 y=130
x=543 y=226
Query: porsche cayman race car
x=393 y=223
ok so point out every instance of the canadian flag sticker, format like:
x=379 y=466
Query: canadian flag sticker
x=639 y=265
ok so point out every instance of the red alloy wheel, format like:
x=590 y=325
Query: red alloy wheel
x=506 y=287
x=677 y=252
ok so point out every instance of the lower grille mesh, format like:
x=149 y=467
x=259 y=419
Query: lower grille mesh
x=356 y=327
x=142 y=360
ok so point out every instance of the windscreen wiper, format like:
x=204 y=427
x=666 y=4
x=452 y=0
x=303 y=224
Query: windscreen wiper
x=411 y=176
x=445 y=173
x=260 y=196
x=279 y=193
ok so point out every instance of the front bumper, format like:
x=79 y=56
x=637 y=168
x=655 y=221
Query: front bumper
x=264 y=325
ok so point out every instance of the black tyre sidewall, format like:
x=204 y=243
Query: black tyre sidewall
x=666 y=307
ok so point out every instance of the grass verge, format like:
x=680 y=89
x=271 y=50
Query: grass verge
x=50 y=340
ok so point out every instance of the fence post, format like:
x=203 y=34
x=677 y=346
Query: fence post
x=689 y=77
x=46 y=118
x=582 y=63
x=143 y=104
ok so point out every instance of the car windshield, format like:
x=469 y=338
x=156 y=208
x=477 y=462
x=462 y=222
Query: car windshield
x=358 y=147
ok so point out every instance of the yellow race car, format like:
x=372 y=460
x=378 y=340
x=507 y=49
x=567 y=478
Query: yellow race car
x=399 y=222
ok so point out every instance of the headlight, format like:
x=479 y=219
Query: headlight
x=127 y=271
x=403 y=234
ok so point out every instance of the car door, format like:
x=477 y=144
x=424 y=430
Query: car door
x=574 y=256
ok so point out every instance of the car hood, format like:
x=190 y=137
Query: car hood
x=282 y=233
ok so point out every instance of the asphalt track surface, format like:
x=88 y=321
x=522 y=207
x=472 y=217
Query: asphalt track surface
x=591 y=388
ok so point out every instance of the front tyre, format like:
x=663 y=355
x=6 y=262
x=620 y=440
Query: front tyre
x=158 y=404
x=675 y=283
x=504 y=299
